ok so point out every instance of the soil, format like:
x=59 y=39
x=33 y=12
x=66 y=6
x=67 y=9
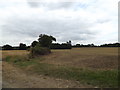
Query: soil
x=14 y=77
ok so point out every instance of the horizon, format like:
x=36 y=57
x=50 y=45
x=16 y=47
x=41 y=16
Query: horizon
x=64 y=42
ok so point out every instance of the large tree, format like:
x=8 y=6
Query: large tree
x=45 y=40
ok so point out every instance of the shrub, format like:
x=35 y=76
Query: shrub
x=38 y=50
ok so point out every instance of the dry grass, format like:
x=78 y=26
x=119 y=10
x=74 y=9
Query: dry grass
x=95 y=58
x=13 y=52
x=94 y=66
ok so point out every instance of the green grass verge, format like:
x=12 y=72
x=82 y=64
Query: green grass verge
x=22 y=61
x=106 y=78
x=100 y=78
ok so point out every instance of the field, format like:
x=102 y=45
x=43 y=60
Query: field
x=81 y=67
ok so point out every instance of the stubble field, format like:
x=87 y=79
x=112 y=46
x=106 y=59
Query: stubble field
x=92 y=67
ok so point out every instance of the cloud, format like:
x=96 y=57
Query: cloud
x=52 y=5
x=63 y=29
x=34 y=4
x=82 y=22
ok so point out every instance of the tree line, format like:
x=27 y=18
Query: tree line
x=20 y=47
x=43 y=41
x=103 y=45
x=46 y=41
x=57 y=46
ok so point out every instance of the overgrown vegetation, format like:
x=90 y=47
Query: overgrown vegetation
x=42 y=47
x=38 y=50
x=100 y=78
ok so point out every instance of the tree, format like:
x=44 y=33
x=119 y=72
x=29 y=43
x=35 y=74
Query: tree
x=45 y=40
x=22 y=46
x=69 y=42
x=77 y=45
x=34 y=43
x=7 y=47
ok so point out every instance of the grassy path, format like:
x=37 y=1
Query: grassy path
x=16 y=78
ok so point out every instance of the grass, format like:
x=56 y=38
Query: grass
x=21 y=61
x=94 y=58
x=100 y=78
x=107 y=78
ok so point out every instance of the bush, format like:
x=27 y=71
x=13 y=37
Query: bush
x=38 y=50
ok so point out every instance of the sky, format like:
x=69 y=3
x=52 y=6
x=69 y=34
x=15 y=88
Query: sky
x=81 y=21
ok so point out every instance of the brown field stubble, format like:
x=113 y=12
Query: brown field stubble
x=73 y=60
x=95 y=58
x=92 y=58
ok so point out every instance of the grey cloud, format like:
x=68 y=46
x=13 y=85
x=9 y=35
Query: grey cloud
x=26 y=27
x=103 y=21
x=59 y=5
x=63 y=30
x=52 y=5
x=33 y=4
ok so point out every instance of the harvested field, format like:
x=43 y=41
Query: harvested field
x=95 y=58
x=82 y=67
x=13 y=52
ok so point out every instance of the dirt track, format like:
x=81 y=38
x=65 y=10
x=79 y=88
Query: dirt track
x=16 y=78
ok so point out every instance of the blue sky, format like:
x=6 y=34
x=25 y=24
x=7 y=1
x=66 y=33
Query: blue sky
x=81 y=21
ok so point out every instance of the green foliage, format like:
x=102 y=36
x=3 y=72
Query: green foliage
x=34 y=43
x=7 y=47
x=7 y=58
x=38 y=50
x=16 y=58
x=45 y=40
x=42 y=47
x=25 y=63
x=22 y=46
x=61 y=46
